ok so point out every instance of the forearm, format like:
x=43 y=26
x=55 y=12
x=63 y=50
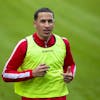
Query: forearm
x=10 y=72
x=68 y=61
x=73 y=69
x=15 y=76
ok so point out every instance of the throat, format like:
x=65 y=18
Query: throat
x=45 y=44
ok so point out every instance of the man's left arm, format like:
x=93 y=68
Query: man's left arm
x=69 y=64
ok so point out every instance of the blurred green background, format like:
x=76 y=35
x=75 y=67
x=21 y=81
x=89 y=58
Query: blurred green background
x=77 y=20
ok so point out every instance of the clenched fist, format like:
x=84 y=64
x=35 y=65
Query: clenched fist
x=68 y=75
x=40 y=70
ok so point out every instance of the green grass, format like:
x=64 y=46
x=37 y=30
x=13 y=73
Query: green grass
x=78 y=20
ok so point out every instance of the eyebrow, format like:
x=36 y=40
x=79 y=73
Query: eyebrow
x=44 y=20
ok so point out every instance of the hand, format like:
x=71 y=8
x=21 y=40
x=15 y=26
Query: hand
x=68 y=75
x=40 y=70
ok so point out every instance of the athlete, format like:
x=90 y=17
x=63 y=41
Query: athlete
x=41 y=65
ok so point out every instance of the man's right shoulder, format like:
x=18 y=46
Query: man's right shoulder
x=22 y=43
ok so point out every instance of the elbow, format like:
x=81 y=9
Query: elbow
x=4 y=78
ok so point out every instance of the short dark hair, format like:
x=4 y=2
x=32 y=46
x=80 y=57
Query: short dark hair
x=42 y=10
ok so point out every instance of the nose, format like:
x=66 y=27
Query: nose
x=46 y=24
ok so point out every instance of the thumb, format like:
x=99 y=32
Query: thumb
x=69 y=69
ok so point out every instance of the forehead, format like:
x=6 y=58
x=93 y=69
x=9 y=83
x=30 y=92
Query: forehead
x=45 y=15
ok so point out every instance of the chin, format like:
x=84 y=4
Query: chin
x=46 y=36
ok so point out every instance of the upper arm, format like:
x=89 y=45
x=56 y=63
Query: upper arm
x=68 y=61
x=17 y=56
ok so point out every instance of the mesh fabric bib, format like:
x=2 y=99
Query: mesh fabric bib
x=50 y=85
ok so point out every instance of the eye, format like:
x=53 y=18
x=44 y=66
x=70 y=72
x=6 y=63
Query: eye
x=42 y=21
x=50 y=21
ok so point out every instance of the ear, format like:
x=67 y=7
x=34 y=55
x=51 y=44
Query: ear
x=34 y=23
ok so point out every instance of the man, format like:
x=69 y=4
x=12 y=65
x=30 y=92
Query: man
x=41 y=65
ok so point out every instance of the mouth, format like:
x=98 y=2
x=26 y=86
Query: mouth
x=47 y=31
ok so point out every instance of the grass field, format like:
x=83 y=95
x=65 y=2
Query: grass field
x=78 y=20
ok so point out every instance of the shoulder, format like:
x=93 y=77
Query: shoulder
x=66 y=41
x=22 y=42
x=21 y=45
